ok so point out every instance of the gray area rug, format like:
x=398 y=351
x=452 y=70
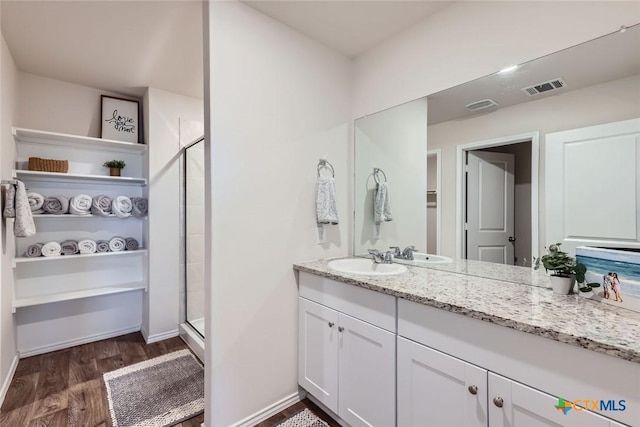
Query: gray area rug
x=158 y=392
x=304 y=418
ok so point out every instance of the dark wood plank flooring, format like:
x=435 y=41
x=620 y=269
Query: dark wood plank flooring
x=64 y=388
x=294 y=409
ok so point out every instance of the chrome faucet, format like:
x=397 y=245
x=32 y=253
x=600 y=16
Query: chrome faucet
x=381 y=257
x=407 y=253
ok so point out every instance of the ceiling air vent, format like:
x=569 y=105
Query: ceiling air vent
x=544 y=87
x=481 y=105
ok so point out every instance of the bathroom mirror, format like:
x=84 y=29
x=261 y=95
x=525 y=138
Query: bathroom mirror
x=513 y=115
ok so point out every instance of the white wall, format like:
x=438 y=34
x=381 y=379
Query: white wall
x=579 y=108
x=395 y=141
x=8 y=82
x=474 y=38
x=278 y=101
x=165 y=113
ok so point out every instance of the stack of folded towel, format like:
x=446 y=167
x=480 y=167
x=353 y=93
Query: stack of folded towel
x=83 y=204
x=82 y=247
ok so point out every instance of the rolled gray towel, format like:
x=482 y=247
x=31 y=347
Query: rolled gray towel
x=34 y=251
x=51 y=249
x=140 y=206
x=101 y=205
x=36 y=200
x=56 y=205
x=69 y=247
x=102 y=246
x=131 y=244
x=117 y=244
x=80 y=204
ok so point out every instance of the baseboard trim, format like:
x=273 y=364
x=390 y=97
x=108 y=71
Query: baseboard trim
x=271 y=410
x=7 y=381
x=163 y=336
x=78 y=341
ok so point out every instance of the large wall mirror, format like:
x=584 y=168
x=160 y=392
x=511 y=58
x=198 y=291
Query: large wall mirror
x=547 y=151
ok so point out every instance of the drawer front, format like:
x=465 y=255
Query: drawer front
x=370 y=306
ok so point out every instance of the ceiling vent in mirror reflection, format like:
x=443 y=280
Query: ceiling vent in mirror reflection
x=481 y=105
x=543 y=87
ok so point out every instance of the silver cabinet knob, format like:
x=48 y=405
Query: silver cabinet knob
x=498 y=402
x=473 y=389
x=331 y=324
x=340 y=328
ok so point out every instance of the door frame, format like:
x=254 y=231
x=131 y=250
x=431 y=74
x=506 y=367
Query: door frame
x=461 y=151
x=437 y=152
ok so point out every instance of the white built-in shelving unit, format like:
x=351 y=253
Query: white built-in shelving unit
x=45 y=280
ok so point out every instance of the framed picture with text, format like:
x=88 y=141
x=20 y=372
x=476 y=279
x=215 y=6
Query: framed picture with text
x=119 y=119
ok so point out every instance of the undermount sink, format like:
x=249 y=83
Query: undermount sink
x=426 y=259
x=365 y=267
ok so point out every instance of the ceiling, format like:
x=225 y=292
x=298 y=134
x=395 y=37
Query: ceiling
x=121 y=46
x=126 y=46
x=607 y=58
x=350 y=27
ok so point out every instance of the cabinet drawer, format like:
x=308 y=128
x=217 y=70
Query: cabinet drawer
x=373 y=307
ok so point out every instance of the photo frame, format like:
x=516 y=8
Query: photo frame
x=120 y=119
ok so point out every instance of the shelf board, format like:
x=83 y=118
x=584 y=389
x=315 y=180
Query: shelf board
x=24 y=260
x=67 y=296
x=74 y=177
x=75 y=141
x=90 y=216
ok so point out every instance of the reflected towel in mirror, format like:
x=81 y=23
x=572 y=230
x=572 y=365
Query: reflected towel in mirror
x=381 y=204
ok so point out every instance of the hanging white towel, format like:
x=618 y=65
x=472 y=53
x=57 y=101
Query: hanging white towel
x=326 y=210
x=17 y=206
x=381 y=204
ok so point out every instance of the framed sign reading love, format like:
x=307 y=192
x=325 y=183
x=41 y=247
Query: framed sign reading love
x=119 y=119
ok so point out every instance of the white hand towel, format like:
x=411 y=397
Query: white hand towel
x=24 y=225
x=87 y=246
x=381 y=204
x=80 y=204
x=117 y=244
x=51 y=249
x=326 y=210
x=36 y=201
x=122 y=206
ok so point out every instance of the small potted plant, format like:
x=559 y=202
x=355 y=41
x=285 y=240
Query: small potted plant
x=114 y=166
x=564 y=270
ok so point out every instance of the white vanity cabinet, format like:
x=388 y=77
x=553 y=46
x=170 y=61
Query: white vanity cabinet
x=347 y=354
x=435 y=389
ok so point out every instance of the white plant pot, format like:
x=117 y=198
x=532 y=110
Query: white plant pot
x=562 y=285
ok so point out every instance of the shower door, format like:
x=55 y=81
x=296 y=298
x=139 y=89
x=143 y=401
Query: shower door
x=193 y=220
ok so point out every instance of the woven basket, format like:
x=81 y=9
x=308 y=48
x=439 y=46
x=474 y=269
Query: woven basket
x=48 y=165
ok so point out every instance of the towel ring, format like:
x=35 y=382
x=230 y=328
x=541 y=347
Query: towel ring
x=325 y=164
x=376 y=177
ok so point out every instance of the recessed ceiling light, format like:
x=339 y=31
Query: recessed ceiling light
x=508 y=69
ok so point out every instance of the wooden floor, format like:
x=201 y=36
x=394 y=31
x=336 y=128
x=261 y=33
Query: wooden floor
x=65 y=387
x=294 y=409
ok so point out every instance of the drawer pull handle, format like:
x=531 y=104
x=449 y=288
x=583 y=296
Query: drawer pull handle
x=498 y=402
x=473 y=389
x=340 y=328
x=331 y=324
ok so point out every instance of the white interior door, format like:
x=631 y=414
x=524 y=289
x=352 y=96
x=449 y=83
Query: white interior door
x=490 y=207
x=591 y=186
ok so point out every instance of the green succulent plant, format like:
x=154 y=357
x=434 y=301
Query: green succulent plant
x=119 y=164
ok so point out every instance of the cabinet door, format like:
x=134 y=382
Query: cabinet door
x=367 y=374
x=435 y=389
x=525 y=406
x=318 y=352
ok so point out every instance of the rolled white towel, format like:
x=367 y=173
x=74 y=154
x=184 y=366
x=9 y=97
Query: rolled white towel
x=121 y=206
x=36 y=200
x=117 y=244
x=51 y=249
x=87 y=246
x=80 y=204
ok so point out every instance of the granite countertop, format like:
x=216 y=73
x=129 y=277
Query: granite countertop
x=570 y=319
